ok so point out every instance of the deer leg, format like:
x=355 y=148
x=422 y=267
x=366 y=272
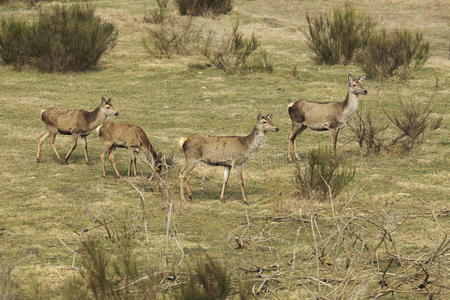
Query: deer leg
x=241 y=182
x=105 y=150
x=74 y=145
x=86 y=157
x=132 y=162
x=226 y=175
x=184 y=171
x=334 y=136
x=42 y=139
x=296 y=130
x=111 y=160
x=52 y=144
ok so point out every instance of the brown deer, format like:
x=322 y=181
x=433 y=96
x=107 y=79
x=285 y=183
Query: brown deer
x=78 y=123
x=226 y=151
x=131 y=137
x=321 y=116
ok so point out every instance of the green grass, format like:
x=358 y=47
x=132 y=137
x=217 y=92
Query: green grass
x=169 y=99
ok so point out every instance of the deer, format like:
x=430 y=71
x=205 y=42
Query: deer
x=132 y=137
x=322 y=116
x=78 y=123
x=226 y=151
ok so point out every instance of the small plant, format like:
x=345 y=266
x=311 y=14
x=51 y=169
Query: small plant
x=367 y=132
x=172 y=38
x=415 y=122
x=208 y=280
x=337 y=36
x=238 y=54
x=204 y=7
x=393 y=54
x=322 y=175
x=63 y=39
x=159 y=14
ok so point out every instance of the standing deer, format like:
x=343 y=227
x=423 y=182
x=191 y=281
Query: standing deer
x=131 y=137
x=78 y=123
x=226 y=151
x=321 y=116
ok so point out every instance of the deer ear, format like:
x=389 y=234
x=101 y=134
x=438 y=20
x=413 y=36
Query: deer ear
x=259 y=117
x=109 y=100
x=103 y=101
x=270 y=116
x=362 y=78
x=350 y=78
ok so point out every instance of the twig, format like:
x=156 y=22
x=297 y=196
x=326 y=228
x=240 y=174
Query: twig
x=141 y=196
x=71 y=250
x=293 y=259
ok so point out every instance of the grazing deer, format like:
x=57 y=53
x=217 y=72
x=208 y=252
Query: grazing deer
x=132 y=137
x=321 y=116
x=226 y=151
x=78 y=123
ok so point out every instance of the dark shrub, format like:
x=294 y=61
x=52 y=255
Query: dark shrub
x=158 y=14
x=63 y=39
x=203 y=7
x=393 y=53
x=238 y=54
x=321 y=170
x=208 y=280
x=336 y=36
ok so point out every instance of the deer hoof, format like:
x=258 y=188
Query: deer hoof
x=190 y=197
x=38 y=160
x=64 y=163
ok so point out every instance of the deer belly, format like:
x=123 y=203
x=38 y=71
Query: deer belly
x=318 y=126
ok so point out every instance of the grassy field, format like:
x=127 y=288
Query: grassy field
x=170 y=98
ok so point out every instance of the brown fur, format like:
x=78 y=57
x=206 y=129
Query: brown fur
x=321 y=116
x=78 y=123
x=226 y=151
x=131 y=137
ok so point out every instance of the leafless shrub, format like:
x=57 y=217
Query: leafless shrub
x=367 y=132
x=237 y=54
x=204 y=7
x=415 y=121
x=158 y=14
x=177 y=36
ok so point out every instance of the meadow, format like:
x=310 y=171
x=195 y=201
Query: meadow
x=47 y=208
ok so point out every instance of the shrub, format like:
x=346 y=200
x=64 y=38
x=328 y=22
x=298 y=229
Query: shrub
x=63 y=39
x=322 y=170
x=366 y=131
x=238 y=54
x=158 y=14
x=336 y=36
x=208 y=280
x=204 y=7
x=415 y=122
x=172 y=38
x=393 y=53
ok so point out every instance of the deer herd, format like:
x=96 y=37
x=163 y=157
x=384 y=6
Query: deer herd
x=225 y=151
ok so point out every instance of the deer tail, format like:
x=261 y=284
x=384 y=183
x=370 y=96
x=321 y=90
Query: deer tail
x=42 y=112
x=99 y=129
x=181 y=143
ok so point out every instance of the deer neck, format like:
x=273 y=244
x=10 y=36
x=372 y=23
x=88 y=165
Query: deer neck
x=350 y=104
x=255 y=140
x=95 y=118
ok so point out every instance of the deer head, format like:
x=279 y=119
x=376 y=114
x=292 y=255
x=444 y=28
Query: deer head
x=265 y=124
x=107 y=108
x=355 y=86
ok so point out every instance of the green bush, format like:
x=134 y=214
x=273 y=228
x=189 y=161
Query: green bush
x=337 y=36
x=238 y=54
x=393 y=53
x=204 y=7
x=63 y=39
x=322 y=169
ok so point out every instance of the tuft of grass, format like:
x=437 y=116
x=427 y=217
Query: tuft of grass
x=65 y=38
x=338 y=35
x=322 y=174
x=393 y=53
x=204 y=7
x=237 y=54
